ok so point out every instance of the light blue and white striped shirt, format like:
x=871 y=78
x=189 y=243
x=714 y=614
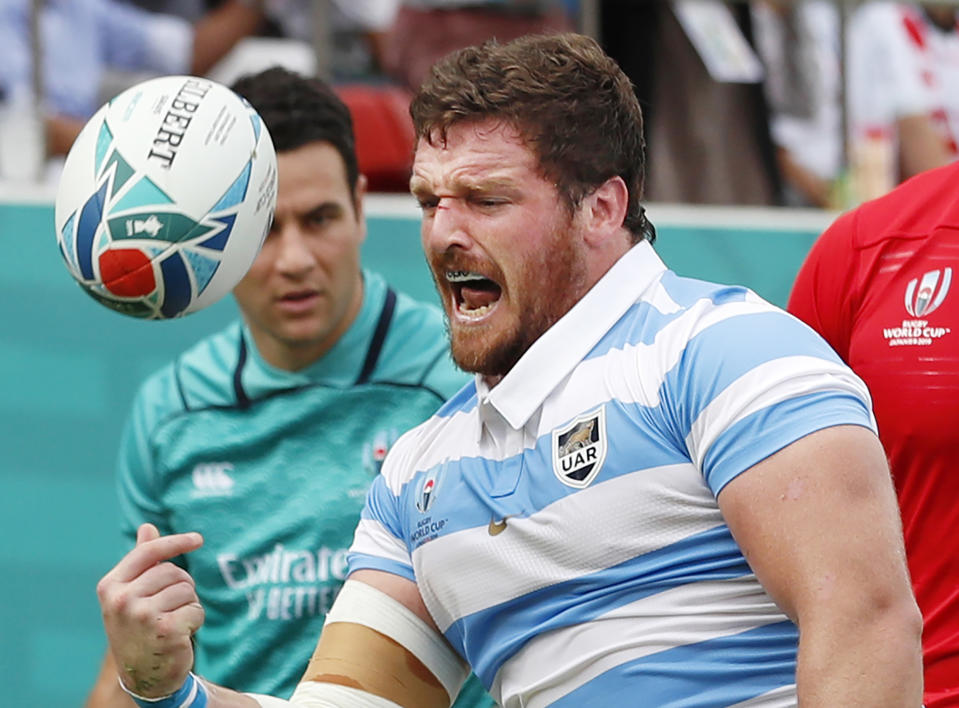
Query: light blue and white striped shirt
x=614 y=579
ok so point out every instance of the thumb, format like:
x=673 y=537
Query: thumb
x=147 y=532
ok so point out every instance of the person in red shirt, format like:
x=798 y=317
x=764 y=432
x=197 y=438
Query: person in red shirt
x=879 y=285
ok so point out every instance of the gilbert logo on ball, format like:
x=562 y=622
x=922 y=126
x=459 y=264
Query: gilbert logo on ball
x=165 y=197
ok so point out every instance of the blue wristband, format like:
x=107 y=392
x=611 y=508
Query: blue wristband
x=192 y=694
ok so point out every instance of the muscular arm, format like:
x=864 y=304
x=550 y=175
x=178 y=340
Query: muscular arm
x=819 y=525
x=357 y=656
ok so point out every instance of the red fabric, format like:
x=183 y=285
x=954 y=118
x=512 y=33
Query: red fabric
x=384 y=134
x=857 y=287
x=916 y=29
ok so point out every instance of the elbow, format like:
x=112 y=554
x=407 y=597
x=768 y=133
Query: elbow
x=909 y=618
x=898 y=624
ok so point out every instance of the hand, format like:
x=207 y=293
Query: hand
x=150 y=612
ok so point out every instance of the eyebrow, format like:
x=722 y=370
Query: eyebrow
x=422 y=186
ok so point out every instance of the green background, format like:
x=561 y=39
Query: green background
x=69 y=367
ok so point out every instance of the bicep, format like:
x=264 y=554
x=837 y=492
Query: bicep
x=819 y=524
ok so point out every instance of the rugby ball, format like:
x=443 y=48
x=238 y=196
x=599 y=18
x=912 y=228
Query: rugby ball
x=165 y=197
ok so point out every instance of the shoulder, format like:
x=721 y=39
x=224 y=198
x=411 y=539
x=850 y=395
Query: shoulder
x=416 y=350
x=200 y=377
x=712 y=330
x=449 y=433
x=914 y=209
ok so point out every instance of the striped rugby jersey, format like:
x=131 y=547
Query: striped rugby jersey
x=563 y=527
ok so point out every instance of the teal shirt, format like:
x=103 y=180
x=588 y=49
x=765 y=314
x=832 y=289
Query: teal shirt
x=272 y=467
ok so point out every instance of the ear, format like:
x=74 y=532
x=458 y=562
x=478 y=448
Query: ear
x=604 y=210
x=359 y=195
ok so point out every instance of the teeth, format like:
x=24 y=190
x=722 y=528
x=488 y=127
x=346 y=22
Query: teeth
x=475 y=313
x=463 y=276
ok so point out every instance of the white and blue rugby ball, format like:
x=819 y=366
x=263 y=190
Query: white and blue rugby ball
x=165 y=197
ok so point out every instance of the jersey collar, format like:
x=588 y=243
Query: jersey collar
x=564 y=345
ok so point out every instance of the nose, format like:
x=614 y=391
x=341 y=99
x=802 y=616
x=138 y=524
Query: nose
x=293 y=255
x=447 y=227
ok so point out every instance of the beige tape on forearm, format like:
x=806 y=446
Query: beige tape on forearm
x=362 y=604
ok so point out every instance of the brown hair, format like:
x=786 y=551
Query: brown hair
x=571 y=103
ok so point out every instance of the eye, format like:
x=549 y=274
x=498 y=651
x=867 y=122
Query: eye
x=485 y=200
x=322 y=216
x=427 y=202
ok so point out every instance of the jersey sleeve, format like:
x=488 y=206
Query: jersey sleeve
x=752 y=380
x=824 y=292
x=378 y=542
x=137 y=481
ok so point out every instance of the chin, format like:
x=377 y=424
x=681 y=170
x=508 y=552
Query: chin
x=478 y=353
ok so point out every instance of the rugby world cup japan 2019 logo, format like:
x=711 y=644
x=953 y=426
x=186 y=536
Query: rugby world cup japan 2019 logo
x=579 y=449
x=923 y=296
x=427 y=495
x=427 y=527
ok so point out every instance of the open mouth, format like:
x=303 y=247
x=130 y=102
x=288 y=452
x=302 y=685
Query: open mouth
x=298 y=296
x=474 y=295
x=299 y=300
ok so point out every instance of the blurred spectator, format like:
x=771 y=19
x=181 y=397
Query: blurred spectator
x=799 y=46
x=352 y=28
x=81 y=39
x=708 y=140
x=427 y=30
x=903 y=92
x=191 y=10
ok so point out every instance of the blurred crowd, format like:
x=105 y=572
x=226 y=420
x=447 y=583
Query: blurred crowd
x=817 y=103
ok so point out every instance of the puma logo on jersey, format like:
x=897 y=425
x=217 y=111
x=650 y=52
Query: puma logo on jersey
x=213 y=479
x=497 y=527
x=579 y=437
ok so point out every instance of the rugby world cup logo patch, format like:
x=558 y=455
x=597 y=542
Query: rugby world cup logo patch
x=579 y=449
x=926 y=294
x=427 y=495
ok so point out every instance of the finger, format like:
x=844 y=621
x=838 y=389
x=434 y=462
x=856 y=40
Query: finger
x=173 y=597
x=149 y=553
x=157 y=578
x=147 y=532
x=174 y=629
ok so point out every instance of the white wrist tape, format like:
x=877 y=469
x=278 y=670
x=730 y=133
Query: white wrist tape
x=363 y=604
x=192 y=694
